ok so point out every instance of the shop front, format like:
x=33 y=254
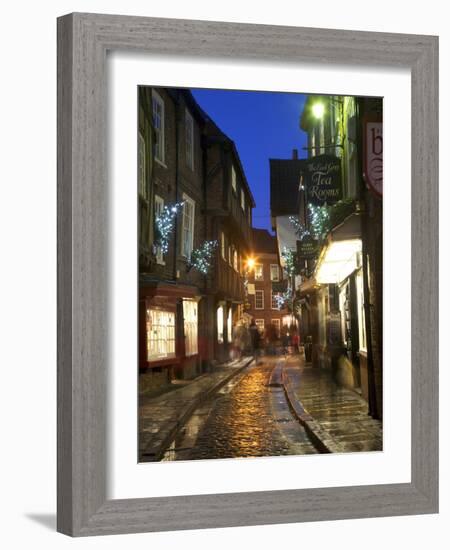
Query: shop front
x=333 y=306
x=340 y=306
x=169 y=321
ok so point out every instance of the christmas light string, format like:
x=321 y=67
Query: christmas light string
x=201 y=257
x=165 y=223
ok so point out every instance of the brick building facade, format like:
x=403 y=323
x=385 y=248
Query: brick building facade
x=266 y=280
x=185 y=160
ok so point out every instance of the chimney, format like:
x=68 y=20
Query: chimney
x=295 y=154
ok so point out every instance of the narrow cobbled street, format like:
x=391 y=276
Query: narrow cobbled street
x=248 y=417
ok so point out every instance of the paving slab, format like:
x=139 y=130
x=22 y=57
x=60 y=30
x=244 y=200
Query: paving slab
x=336 y=417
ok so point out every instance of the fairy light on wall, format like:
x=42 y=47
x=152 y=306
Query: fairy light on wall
x=165 y=223
x=201 y=257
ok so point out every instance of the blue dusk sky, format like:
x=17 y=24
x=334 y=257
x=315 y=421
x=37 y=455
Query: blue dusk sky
x=263 y=125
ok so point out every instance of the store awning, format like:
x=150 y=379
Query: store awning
x=342 y=253
x=339 y=260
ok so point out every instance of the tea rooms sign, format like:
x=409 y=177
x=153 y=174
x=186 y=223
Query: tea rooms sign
x=322 y=180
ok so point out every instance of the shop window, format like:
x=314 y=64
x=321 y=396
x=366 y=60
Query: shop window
x=259 y=299
x=160 y=334
x=158 y=125
x=190 y=315
x=220 y=324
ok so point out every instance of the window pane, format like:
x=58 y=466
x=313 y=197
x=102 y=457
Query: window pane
x=160 y=334
x=190 y=314
x=259 y=299
x=141 y=168
x=274 y=273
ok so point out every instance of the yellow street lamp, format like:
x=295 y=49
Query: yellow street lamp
x=318 y=109
x=250 y=264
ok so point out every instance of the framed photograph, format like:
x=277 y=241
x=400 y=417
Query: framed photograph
x=247 y=274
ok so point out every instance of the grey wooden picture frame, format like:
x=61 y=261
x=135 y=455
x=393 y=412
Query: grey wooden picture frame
x=83 y=42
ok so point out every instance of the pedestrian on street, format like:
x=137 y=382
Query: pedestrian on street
x=255 y=340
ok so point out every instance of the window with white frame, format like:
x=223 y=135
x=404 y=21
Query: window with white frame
x=274 y=272
x=158 y=125
x=233 y=180
x=141 y=167
x=235 y=260
x=260 y=324
x=276 y=324
x=189 y=122
x=190 y=315
x=259 y=272
x=220 y=324
x=160 y=334
x=274 y=303
x=259 y=299
x=242 y=200
x=159 y=206
x=187 y=239
x=223 y=249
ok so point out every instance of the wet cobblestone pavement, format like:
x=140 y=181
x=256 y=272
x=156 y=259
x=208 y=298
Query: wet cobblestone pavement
x=248 y=417
x=340 y=412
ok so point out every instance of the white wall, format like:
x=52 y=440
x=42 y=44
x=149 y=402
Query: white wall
x=28 y=304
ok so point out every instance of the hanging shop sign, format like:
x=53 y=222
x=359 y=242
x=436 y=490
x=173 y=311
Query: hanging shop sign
x=322 y=180
x=307 y=248
x=373 y=155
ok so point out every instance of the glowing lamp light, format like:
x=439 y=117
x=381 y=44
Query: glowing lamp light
x=340 y=259
x=250 y=263
x=318 y=110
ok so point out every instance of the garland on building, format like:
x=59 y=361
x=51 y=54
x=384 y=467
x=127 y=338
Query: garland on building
x=284 y=299
x=289 y=258
x=323 y=218
x=318 y=219
x=164 y=225
x=300 y=230
x=201 y=257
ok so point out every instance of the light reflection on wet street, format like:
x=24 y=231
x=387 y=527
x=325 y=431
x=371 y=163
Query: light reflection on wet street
x=248 y=417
